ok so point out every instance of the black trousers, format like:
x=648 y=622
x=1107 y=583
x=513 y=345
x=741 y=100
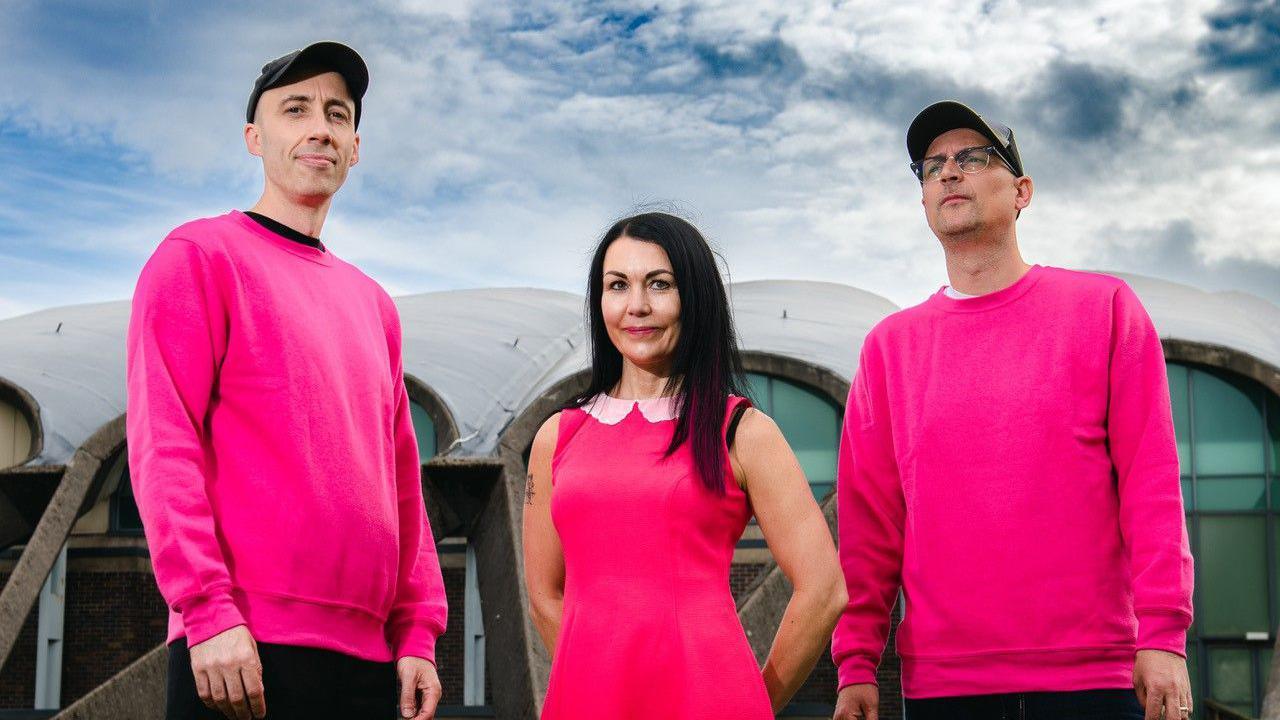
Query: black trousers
x=298 y=682
x=1121 y=704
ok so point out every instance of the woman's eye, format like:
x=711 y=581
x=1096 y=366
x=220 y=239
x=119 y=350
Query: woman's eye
x=660 y=285
x=617 y=285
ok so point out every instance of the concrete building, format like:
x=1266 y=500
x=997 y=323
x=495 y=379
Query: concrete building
x=484 y=368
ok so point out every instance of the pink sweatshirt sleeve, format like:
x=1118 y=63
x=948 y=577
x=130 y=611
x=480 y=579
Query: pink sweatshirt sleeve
x=1141 y=439
x=176 y=340
x=870 y=512
x=420 y=611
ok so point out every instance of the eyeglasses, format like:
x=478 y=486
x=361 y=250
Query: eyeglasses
x=969 y=160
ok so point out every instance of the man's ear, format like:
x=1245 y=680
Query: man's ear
x=1026 y=188
x=355 y=151
x=253 y=139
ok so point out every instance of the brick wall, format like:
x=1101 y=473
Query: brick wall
x=449 y=647
x=112 y=619
x=18 y=674
x=821 y=685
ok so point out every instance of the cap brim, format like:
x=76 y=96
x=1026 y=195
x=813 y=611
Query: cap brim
x=942 y=117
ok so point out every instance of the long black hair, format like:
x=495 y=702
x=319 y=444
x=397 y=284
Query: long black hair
x=706 y=366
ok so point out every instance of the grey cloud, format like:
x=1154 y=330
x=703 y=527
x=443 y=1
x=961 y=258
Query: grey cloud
x=1170 y=252
x=1244 y=36
x=1080 y=101
x=894 y=96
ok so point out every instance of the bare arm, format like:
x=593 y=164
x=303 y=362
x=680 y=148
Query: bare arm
x=801 y=543
x=543 y=556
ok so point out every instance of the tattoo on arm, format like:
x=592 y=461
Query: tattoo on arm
x=528 y=489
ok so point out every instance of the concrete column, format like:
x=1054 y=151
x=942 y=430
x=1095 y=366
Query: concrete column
x=519 y=658
x=473 y=632
x=49 y=628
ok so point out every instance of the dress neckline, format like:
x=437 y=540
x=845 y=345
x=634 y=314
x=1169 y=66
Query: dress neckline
x=611 y=410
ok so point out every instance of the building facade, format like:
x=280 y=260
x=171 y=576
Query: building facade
x=484 y=368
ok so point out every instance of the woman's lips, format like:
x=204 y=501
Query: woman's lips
x=640 y=331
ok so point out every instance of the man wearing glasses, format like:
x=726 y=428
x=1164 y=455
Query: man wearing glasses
x=1008 y=460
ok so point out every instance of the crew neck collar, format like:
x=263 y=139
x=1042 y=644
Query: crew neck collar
x=979 y=303
x=306 y=252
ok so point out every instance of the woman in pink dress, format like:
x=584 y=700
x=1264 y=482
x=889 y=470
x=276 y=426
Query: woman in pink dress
x=638 y=493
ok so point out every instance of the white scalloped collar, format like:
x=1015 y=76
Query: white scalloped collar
x=612 y=410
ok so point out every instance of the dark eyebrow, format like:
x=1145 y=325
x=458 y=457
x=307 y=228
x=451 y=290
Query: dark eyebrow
x=296 y=98
x=650 y=274
x=340 y=103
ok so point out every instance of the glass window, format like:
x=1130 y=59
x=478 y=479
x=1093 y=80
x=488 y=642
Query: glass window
x=124 y=508
x=1228 y=425
x=1233 y=576
x=1273 y=439
x=1231 y=493
x=1181 y=415
x=1228 y=434
x=1231 y=678
x=425 y=429
x=810 y=423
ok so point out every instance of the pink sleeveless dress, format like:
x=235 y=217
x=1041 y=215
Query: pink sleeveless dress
x=649 y=629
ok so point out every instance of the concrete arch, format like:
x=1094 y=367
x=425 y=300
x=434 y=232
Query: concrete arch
x=824 y=381
x=1220 y=356
x=446 y=427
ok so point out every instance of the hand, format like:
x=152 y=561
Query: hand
x=1162 y=683
x=419 y=688
x=861 y=701
x=229 y=674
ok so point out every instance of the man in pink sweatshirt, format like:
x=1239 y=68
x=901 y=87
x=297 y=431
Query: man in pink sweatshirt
x=1008 y=461
x=270 y=441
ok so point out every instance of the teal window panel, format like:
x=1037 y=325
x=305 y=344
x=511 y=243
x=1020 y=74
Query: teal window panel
x=1232 y=493
x=809 y=422
x=1178 y=393
x=1273 y=432
x=1233 y=576
x=758 y=389
x=424 y=429
x=1227 y=413
x=1231 y=678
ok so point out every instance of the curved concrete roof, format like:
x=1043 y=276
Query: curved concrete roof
x=1236 y=320
x=490 y=353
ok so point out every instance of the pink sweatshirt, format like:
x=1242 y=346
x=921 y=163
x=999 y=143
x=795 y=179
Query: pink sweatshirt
x=272 y=450
x=1009 y=461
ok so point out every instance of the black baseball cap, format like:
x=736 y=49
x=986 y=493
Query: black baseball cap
x=947 y=115
x=334 y=56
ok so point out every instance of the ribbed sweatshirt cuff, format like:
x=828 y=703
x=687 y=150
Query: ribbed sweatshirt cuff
x=414 y=640
x=204 y=616
x=1161 y=629
x=857 y=671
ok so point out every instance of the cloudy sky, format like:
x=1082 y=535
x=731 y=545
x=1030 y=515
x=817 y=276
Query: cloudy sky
x=500 y=139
